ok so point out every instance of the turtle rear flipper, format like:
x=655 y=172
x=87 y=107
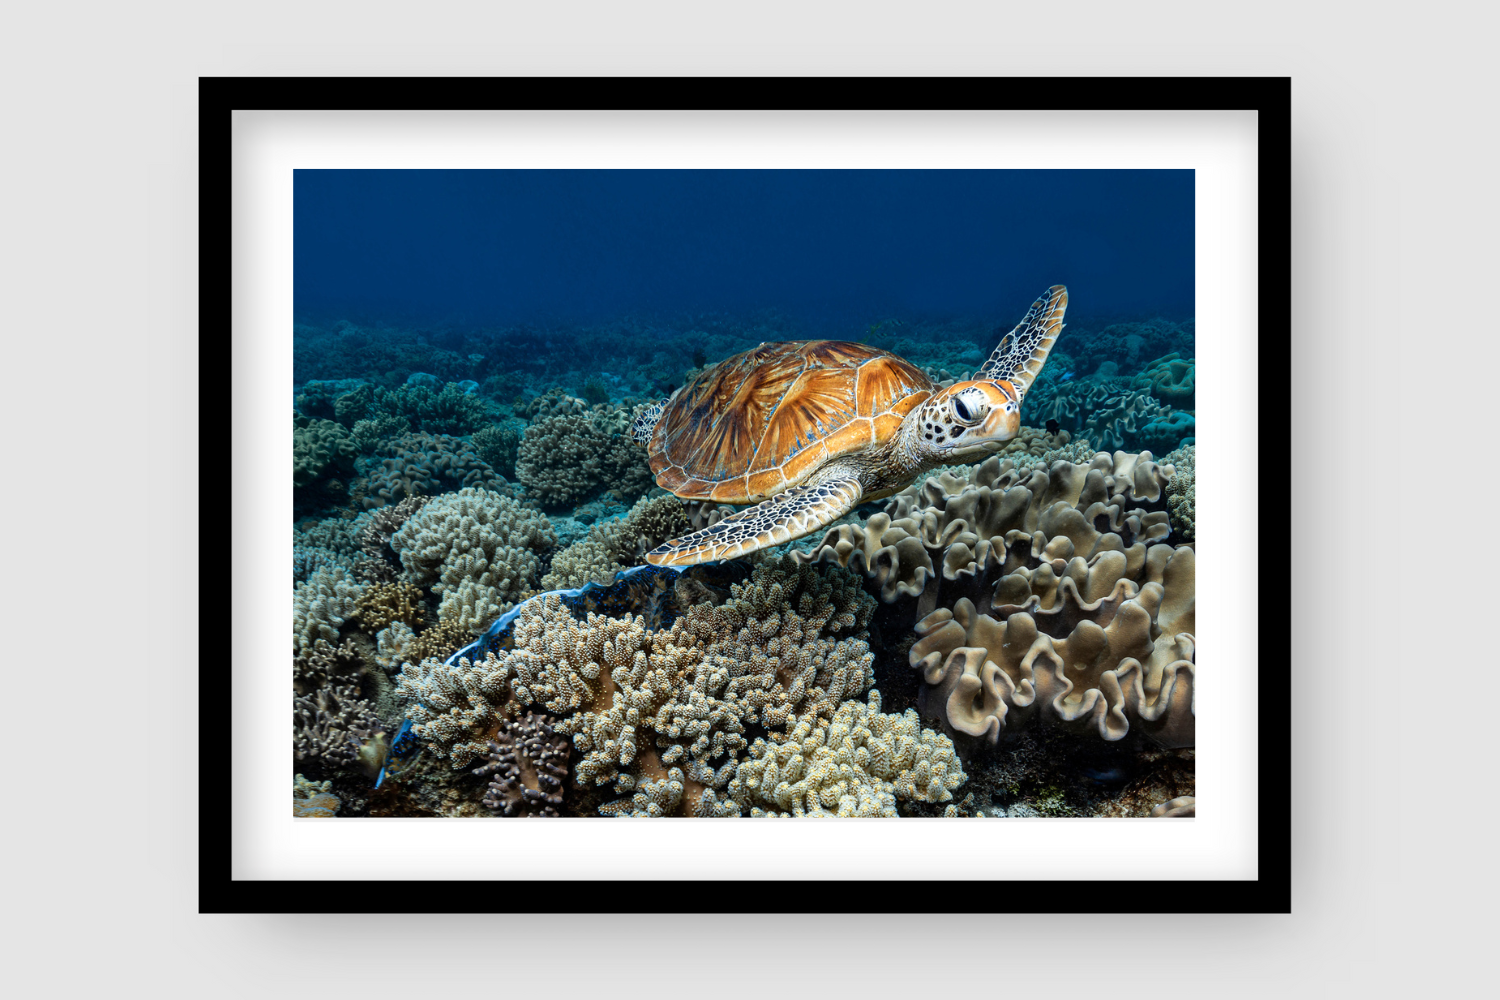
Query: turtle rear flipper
x=781 y=519
x=642 y=427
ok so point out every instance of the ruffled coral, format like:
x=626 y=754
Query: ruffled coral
x=1102 y=662
x=954 y=537
x=1171 y=379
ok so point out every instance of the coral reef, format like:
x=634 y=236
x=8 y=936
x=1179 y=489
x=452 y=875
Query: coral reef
x=528 y=764
x=857 y=763
x=497 y=445
x=313 y=799
x=320 y=606
x=567 y=458
x=321 y=449
x=317 y=664
x=479 y=551
x=424 y=465
x=611 y=546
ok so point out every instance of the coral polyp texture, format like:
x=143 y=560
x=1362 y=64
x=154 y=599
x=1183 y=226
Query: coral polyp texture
x=478 y=550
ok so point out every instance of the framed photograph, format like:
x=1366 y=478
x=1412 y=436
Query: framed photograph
x=717 y=451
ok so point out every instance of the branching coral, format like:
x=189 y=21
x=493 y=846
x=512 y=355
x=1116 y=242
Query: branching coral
x=315 y=666
x=568 y=458
x=330 y=725
x=610 y=546
x=479 y=551
x=320 y=606
x=497 y=445
x=383 y=603
x=450 y=410
x=856 y=763
x=1182 y=498
x=528 y=763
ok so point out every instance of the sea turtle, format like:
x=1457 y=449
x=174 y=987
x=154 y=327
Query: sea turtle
x=808 y=430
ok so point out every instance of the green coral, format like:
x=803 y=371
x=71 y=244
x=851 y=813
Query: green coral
x=450 y=411
x=497 y=445
x=1171 y=379
x=320 y=448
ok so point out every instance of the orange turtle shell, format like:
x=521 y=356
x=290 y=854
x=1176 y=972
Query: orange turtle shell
x=764 y=420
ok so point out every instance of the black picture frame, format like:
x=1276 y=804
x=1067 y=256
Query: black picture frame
x=1268 y=97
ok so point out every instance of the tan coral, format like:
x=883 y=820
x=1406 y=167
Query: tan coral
x=969 y=535
x=1124 y=665
x=858 y=762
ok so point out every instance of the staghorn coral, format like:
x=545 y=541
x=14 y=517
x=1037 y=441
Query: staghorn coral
x=859 y=762
x=313 y=799
x=529 y=763
x=567 y=458
x=951 y=537
x=320 y=606
x=1105 y=665
x=321 y=449
x=479 y=551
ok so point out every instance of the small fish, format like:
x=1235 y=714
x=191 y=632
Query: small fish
x=1053 y=427
x=1066 y=377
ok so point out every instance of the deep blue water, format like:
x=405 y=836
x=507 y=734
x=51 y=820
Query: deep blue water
x=828 y=249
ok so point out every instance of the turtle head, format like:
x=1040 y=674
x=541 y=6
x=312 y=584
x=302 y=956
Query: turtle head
x=966 y=418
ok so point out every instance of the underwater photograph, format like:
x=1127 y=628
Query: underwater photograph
x=743 y=493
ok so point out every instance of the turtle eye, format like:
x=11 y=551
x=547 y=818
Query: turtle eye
x=968 y=411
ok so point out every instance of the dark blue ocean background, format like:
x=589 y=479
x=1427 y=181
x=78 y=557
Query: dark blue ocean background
x=827 y=248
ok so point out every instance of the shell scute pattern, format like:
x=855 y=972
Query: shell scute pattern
x=764 y=421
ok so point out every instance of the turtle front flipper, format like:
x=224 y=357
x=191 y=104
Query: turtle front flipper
x=783 y=518
x=1021 y=353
